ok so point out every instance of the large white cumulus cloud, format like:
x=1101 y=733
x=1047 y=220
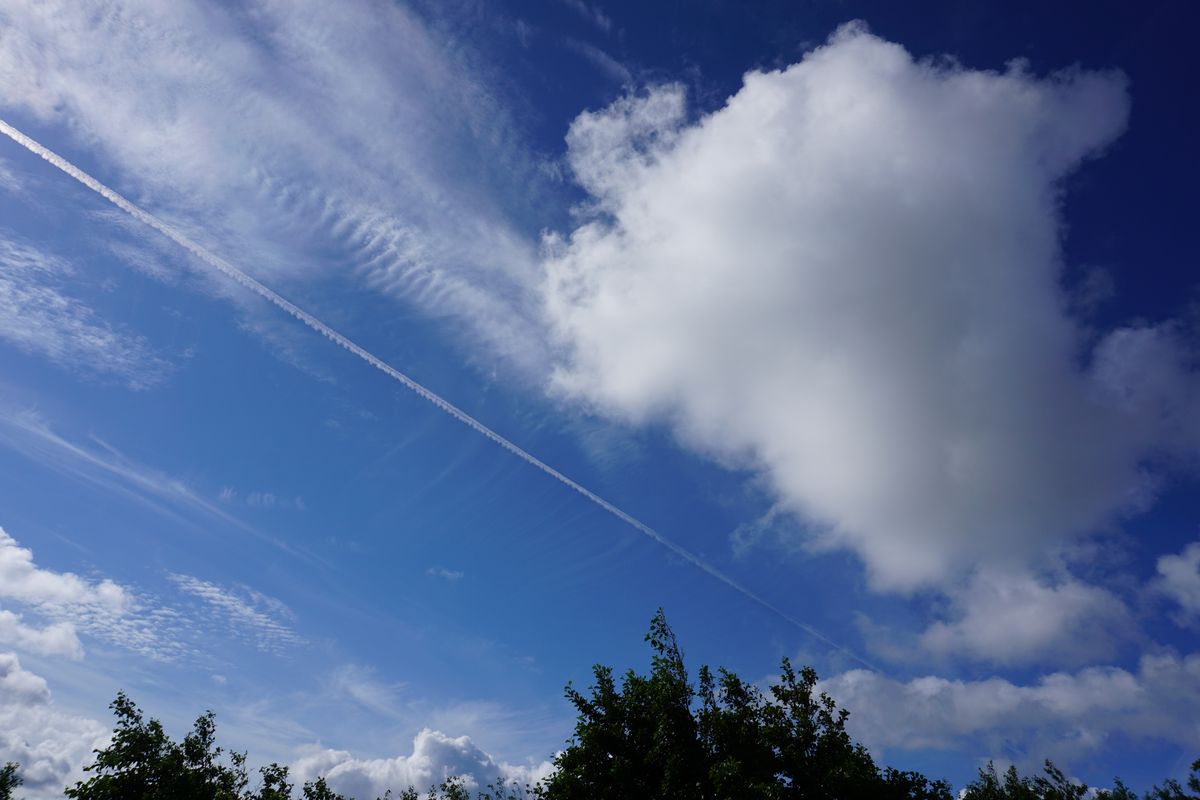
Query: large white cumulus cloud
x=50 y=745
x=849 y=278
x=435 y=757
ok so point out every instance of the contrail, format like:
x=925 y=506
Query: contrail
x=232 y=272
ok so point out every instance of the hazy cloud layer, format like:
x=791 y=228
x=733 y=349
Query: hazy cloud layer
x=849 y=278
x=39 y=316
x=259 y=620
x=98 y=463
x=273 y=131
x=1059 y=716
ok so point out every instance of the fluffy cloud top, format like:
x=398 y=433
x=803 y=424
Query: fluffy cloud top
x=24 y=581
x=1061 y=715
x=435 y=757
x=58 y=639
x=72 y=605
x=1179 y=579
x=849 y=278
x=49 y=744
x=1013 y=617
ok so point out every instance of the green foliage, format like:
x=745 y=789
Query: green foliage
x=9 y=780
x=652 y=737
x=318 y=790
x=450 y=789
x=1052 y=784
x=143 y=763
x=1119 y=792
x=1171 y=790
x=658 y=737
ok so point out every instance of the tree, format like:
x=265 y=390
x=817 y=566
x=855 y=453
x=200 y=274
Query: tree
x=1171 y=790
x=143 y=763
x=652 y=737
x=657 y=737
x=1052 y=784
x=318 y=790
x=9 y=780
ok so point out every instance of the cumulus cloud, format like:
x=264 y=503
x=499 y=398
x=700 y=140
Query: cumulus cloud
x=849 y=278
x=1179 y=579
x=434 y=758
x=50 y=745
x=1006 y=618
x=71 y=605
x=23 y=580
x=1061 y=715
x=57 y=639
x=67 y=606
x=38 y=316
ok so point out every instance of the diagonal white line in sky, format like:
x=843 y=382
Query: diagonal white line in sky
x=235 y=274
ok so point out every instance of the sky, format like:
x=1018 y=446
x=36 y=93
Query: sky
x=370 y=370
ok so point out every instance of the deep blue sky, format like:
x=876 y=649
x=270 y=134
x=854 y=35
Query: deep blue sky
x=892 y=334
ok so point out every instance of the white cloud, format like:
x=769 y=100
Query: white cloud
x=1179 y=579
x=50 y=745
x=22 y=580
x=592 y=13
x=1060 y=716
x=849 y=278
x=601 y=60
x=275 y=131
x=40 y=318
x=434 y=758
x=255 y=617
x=72 y=605
x=58 y=639
x=1012 y=617
x=445 y=574
x=362 y=685
x=261 y=499
x=8 y=179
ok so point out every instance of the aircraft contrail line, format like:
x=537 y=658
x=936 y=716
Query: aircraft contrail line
x=230 y=271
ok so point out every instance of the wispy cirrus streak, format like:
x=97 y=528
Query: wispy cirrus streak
x=233 y=273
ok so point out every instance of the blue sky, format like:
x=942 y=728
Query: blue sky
x=885 y=318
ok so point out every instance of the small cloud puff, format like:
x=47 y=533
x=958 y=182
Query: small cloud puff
x=445 y=574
